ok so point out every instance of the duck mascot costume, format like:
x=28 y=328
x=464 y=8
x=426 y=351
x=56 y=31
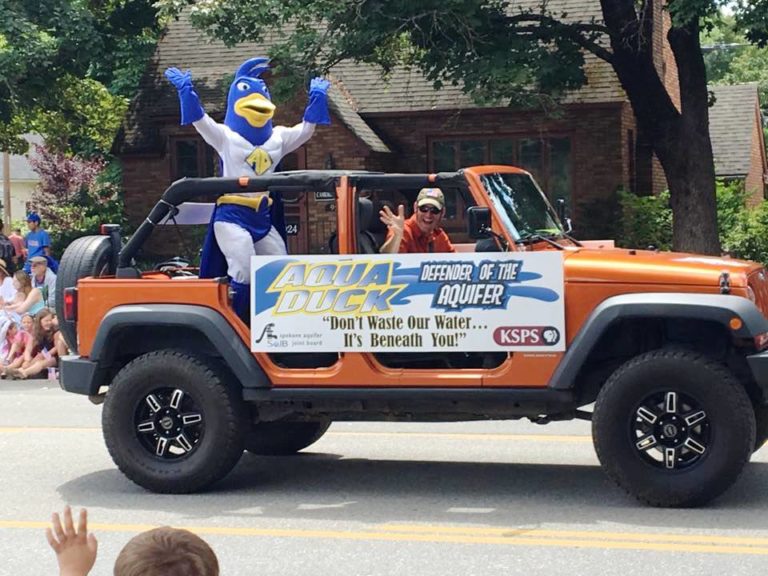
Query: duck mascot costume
x=248 y=145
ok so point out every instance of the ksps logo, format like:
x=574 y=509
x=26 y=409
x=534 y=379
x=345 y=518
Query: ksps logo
x=526 y=335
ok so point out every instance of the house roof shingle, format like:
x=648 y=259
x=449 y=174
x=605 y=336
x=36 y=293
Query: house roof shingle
x=732 y=122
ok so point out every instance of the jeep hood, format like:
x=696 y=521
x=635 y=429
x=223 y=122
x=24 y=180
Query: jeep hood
x=648 y=267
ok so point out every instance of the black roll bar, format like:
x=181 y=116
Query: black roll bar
x=188 y=189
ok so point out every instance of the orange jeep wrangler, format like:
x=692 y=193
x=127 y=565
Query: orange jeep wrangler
x=665 y=353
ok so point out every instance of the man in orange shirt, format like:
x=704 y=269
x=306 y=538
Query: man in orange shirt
x=18 y=245
x=421 y=232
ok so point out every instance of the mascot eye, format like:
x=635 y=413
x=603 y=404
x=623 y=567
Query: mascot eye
x=243 y=86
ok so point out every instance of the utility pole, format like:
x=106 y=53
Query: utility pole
x=6 y=193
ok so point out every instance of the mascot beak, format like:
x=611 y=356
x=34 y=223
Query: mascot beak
x=256 y=109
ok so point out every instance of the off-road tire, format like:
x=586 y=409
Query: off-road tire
x=283 y=438
x=220 y=441
x=86 y=256
x=728 y=426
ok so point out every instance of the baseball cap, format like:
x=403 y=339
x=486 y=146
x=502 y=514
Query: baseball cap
x=38 y=260
x=433 y=196
x=33 y=217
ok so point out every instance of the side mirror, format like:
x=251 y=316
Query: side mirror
x=478 y=222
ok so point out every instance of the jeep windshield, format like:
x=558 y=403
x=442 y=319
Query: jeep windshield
x=522 y=207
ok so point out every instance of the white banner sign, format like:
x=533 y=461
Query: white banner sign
x=469 y=302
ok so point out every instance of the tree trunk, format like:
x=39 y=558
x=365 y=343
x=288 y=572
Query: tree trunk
x=688 y=164
x=680 y=138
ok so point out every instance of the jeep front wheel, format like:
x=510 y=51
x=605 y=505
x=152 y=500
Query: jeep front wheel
x=283 y=438
x=673 y=428
x=172 y=423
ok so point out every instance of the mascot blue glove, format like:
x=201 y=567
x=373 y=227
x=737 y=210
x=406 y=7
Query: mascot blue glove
x=316 y=111
x=191 y=110
x=248 y=145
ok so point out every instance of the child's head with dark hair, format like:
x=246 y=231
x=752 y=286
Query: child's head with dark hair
x=43 y=324
x=166 y=551
x=13 y=329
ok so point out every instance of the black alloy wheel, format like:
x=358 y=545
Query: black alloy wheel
x=169 y=423
x=671 y=430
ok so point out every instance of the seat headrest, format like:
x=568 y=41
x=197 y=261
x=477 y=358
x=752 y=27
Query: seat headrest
x=377 y=226
x=364 y=214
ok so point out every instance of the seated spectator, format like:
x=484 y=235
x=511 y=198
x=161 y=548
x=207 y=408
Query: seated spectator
x=28 y=324
x=422 y=231
x=21 y=346
x=14 y=342
x=7 y=289
x=29 y=300
x=47 y=343
x=158 y=552
x=44 y=278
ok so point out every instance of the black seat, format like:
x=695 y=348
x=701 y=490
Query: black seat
x=366 y=243
x=377 y=228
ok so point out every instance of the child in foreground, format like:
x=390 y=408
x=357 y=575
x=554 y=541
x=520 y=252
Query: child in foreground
x=162 y=551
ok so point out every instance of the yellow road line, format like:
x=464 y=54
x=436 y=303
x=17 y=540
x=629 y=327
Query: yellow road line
x=459 y=535
x=443 y=435
x=535 y=532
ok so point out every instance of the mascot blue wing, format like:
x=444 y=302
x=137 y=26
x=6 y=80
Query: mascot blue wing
x=316 y=111
x=191 y=109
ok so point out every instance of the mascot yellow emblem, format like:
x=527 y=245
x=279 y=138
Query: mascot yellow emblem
x=259 y=160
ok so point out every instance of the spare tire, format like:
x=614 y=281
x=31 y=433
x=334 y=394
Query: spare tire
x=86 y=256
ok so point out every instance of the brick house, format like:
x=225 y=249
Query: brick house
x=583 y=153
x=735 y=125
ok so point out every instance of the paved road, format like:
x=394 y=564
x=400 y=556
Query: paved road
x=375 y=499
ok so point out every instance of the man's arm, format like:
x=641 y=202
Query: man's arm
x=45 y=241
x=396 y=226
x=449 y=247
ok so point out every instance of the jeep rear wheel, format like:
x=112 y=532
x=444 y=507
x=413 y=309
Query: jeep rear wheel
x=673 y=428
x=172 y=423
x=282 y=438
x=86 y=256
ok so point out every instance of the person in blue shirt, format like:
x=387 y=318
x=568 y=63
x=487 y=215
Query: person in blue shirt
x=37 y=241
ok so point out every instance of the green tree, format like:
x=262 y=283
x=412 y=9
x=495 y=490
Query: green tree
x=731 y=59
x=68 y=66
x=513 y=52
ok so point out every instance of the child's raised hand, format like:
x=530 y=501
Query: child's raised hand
x=75 y=549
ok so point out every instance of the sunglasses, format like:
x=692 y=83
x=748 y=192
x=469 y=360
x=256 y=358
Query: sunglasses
x=427 y=208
